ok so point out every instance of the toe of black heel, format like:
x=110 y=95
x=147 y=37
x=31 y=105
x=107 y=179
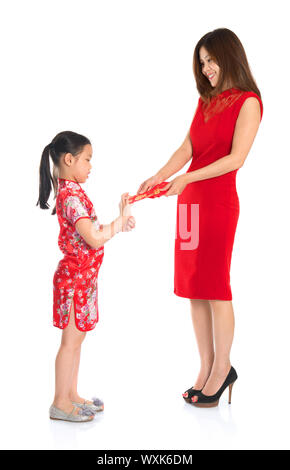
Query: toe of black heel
x=188 y=394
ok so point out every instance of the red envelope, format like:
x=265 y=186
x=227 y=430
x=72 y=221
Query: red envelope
x=156 y=191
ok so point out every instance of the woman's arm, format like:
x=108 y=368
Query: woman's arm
x=245 y=132
x=177 y=161
x=246 y=128
x=180 y=157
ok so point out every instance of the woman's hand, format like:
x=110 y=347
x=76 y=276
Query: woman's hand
x=149 y=183
x=176 y=186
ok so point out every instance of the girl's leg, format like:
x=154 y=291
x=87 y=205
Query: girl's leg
x=224 y=322
x=74 y=396
x=202 y=323
x=71 y=341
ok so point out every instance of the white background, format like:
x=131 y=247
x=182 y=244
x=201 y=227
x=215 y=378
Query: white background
x=121 y=74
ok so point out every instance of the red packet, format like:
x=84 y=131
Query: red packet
x=156 y=191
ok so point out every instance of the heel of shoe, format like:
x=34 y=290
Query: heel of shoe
x=230 y=392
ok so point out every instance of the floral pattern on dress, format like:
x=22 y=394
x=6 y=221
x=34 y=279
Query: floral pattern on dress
x=76 y=277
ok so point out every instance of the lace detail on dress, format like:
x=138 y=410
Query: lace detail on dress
x=219 y=103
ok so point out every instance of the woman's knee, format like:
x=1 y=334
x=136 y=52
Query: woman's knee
x=200 y=304
x=220 y=305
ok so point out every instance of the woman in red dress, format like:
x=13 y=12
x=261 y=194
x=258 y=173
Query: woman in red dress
x=225 y=123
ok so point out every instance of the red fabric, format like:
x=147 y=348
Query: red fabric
x=76 y=276
x=156 y=191
x=209 y=209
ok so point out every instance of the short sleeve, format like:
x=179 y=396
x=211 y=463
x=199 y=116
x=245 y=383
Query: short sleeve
x=74 y=209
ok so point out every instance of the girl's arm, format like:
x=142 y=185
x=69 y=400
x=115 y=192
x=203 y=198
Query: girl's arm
x=97 y=238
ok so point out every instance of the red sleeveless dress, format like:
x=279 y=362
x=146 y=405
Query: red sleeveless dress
x=208 y=210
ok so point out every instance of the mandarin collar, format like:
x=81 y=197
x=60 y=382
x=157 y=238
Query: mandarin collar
x=65 y=181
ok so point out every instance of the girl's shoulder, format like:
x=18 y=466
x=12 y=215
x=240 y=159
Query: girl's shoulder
x=68 y=188
x=72 y=192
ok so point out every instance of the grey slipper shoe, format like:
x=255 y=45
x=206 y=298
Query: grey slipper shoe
x=97 y=405
x=84 y=414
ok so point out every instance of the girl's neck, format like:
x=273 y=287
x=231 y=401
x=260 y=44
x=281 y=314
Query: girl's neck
x=67 y=177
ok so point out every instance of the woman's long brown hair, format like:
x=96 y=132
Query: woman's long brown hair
x=225 y=48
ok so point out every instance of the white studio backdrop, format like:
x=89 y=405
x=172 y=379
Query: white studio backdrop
x=121 y=74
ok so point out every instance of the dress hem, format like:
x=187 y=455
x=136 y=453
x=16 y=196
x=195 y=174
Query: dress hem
x=200 y=297
x=83 y=331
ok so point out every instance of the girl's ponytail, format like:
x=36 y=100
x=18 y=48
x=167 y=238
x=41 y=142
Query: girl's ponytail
x=45 y=179
x=64 y=142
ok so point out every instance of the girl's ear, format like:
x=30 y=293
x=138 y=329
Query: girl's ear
x=68 y=159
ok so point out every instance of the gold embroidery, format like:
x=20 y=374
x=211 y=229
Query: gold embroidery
x=219 y=103
x=142 y=196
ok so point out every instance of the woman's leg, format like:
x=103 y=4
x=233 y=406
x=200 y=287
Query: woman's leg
x=224 y=323
x=71 y=341
x=202 y=323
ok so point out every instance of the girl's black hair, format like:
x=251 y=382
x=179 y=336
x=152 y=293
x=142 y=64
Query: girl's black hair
x=64 y=142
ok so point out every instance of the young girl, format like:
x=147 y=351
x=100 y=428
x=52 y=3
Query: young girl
x=75 y=282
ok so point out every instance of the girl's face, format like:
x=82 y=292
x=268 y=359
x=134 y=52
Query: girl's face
x=208 y=67
x=79 y=167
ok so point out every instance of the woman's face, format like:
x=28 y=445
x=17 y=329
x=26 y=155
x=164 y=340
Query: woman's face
x=208 y=67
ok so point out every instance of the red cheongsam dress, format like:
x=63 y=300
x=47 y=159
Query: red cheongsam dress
x=208 y=210
x=76 y=277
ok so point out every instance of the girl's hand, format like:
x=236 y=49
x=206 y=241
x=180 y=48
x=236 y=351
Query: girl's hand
x=128 y=223
x=149 y=183
x=176 y=186
x=124 y=206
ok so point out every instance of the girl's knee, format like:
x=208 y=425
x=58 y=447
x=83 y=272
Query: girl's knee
x=73 y=343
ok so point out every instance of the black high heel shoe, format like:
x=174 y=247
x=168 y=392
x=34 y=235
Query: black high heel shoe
x=209 y=401
x=188 y=394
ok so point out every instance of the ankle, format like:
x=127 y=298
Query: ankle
x=74 y=396
x=61 y=402
x=221 y=368
x=206 y=366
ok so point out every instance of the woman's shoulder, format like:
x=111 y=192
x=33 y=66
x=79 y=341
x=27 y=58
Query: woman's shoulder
x=244 y=95
x=231 y=98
